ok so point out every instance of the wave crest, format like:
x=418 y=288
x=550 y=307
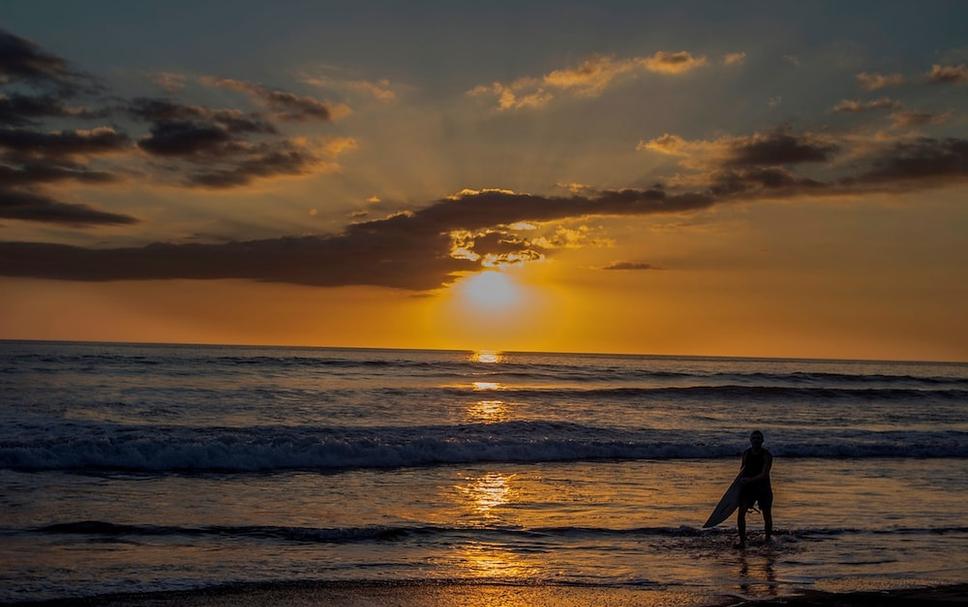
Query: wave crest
x=271 y=448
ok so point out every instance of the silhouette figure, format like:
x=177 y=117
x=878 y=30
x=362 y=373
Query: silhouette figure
x=756 y=488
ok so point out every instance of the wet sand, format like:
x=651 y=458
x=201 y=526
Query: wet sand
x=491 y=595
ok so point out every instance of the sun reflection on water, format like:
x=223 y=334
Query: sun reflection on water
x=480 y=386
x=487 y=357
x=487 y=492
x=493 y=561
x=488 y=411
x=482 y=497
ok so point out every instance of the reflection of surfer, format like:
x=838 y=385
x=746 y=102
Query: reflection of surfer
x=756 y=489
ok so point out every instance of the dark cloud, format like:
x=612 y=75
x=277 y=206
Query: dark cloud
x=778 y=148
x=99 y=140
x=29 y=173
x=285 y=105
x=923 y=161
x=268 y=160
x=416 y=250
x=948 y=74
x=23 y=110
x=167 y=111
x=194 y=145
x=21 y=59
x=30 y=159
x=181 y=138
x=31 y=206
x=759 y=179
x=630 y=265
x=409 y=251
x=217 y=148
x=322 y=261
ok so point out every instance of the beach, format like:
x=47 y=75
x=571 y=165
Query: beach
x=139 y=474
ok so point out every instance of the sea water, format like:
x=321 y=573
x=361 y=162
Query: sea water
x=130 y=468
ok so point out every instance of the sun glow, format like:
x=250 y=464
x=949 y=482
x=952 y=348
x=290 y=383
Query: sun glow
x=490 y=290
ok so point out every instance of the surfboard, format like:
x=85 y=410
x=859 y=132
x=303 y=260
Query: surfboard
x=726 y=506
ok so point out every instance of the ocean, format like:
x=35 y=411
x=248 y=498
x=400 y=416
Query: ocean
x=137 y=468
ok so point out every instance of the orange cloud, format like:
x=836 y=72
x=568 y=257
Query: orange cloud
x=948 y=74
x=873 y=81
x=589 y=78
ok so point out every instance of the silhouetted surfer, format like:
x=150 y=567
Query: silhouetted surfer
x=756 y=489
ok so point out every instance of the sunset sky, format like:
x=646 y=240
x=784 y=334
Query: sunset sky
x=752 y=179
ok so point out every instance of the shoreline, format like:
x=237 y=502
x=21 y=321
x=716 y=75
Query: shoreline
x=470 y=594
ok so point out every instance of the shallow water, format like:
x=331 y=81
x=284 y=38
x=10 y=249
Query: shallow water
x=131 y=467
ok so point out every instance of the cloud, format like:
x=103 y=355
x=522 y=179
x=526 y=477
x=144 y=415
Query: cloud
x=192 y=145
x=261 y=161
x=410 y=251
x=629 y=265
x=230 y=120
x=589 y=78
x=182 y=138
x=224 y=148
x=923 y=161
x=68 y=142
x=734 y=58
x=31 y=173
x=771 y=148
x=906 y=119
x=778 y=147
x=170 y=81
x=669 y=144
x=285 y=105
x=22 y=110
x=678 y=62
x=31 y=159
x=509 y=99
x=381 y=90
x=948 y=74
x=27 y=206
x=22 y=60
x=854 y=106
x=425 y=248
x=873 y=81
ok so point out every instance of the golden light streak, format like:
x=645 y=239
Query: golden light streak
x=480 y=386
x=488 y=411
x=487 y=357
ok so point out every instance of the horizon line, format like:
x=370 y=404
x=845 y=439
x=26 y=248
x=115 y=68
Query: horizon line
x=400 y=349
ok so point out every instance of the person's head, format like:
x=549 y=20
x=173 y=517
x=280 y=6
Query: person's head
x=756 y=439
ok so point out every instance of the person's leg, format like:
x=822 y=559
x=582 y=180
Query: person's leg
x=766 y=507
x=741 y=525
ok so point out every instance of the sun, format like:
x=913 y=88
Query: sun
x=490 y=290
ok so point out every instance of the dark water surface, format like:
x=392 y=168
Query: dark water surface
x=137 y=467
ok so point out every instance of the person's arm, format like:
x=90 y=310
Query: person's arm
x=742 y=462
x=765 y=472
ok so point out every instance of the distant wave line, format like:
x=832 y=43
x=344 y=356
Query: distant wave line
x=401 y=532
x=79 y=446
